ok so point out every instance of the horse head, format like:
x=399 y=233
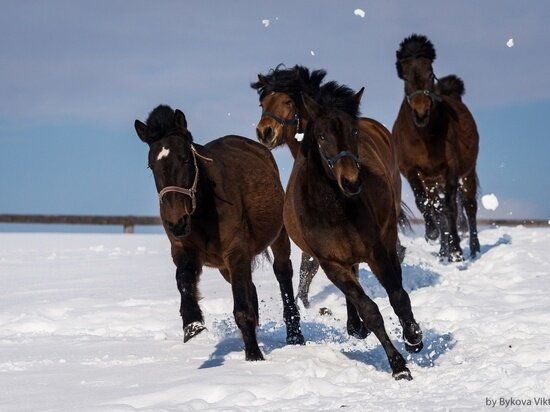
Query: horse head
x=173 y=161
x=280 y=119
x=335 y=132
x=280 y=99
x=414 y=65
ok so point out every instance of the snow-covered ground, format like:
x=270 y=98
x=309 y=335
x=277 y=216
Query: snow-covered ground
x=91 y=323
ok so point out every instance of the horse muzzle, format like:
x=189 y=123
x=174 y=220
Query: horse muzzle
x=267 y=136
x=180 y=229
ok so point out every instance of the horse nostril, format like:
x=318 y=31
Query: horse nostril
x=350 y=187
x=268 y=132
x=181 y=228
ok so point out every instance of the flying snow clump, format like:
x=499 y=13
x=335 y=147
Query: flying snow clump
x=510 y=42
x=266 y=22
x=489 y=202
x=312 y=52
x=359 y=12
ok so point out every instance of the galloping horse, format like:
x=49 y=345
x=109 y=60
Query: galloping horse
x=437 y=146
x=284 y=115
x=221 y=204
x=340 y=209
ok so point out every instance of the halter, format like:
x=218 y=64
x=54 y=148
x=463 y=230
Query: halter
x=431 y=95
x=193 y=189
x=283 y=122
x=331 y=161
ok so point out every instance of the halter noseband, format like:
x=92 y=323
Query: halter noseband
x=431 y=95
x=284 y=122
x=193 y=189
x=331 y=161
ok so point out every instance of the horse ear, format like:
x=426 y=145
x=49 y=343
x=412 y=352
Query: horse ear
x=141 y=130
x=179 y=119
x=311 y=106
x=358 y=95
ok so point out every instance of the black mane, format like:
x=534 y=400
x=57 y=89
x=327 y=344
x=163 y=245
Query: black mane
x=413 y=47
x=293 y=82
x=340 y=97
x=451 y=85
x=161 y=122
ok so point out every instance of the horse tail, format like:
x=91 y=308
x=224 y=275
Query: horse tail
x=451 y=86
x=404 y=218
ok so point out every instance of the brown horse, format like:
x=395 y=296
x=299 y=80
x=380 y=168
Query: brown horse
x=437 y=146
x=284 y=115
x=221 y=205
x=340 y=209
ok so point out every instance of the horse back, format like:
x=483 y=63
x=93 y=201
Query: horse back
x=249 y=178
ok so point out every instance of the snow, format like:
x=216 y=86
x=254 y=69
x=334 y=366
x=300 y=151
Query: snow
x=312 y=52
x=266 y=22
x=489 y=201
x=510 y=42
x=359 y=12
x=91 y=322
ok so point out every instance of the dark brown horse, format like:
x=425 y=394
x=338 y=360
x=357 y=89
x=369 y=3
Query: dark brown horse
x=221 y=205
x=340 y=209
x=438 y=144
x=284 y=115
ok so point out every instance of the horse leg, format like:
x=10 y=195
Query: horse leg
x=461 y=222
x=308 y=269
x=282 y=266
x=240 y=267
x=423 y=204
x=187 y=276
x=470 y=204
x=344 y=280
x=385 y=266
x=355 y=325
x=449 y=218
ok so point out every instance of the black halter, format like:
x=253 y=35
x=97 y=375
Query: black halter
x=284 y=122
x=331 y=161
x=431 y=95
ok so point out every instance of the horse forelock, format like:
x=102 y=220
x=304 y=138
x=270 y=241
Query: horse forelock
x=161 y=123
x=413 y=47
x=334 y=96
x=293 y=81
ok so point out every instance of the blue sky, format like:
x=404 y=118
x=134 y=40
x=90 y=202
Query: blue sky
x=75 y=75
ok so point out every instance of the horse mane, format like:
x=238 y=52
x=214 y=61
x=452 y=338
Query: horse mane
x=161 y=122
x=452 y=86
x=293 y=82
x=413 y=47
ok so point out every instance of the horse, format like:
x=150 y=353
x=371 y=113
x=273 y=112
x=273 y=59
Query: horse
x=437 y=146
x=340 y=209
x=284 y=115
x=221 y=205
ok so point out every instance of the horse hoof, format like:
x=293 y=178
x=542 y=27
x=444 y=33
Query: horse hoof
x=192 y=330
x=403 y=375
x=295 y=339
x=414 y=348
x=360 y=332
x=412 y=335
x=254 y=356
x=456 y=257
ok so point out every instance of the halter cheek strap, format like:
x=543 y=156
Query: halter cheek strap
x=191 y=192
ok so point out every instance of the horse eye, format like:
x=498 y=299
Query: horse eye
x=288 y=102
x=322 y=137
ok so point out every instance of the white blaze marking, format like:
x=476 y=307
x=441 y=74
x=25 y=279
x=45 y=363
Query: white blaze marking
x=163 y=153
